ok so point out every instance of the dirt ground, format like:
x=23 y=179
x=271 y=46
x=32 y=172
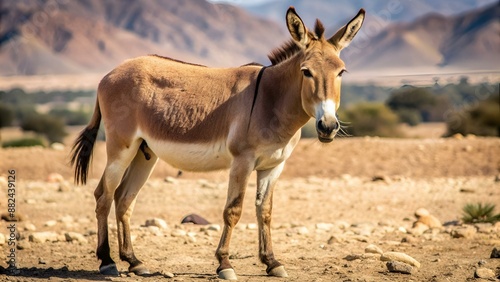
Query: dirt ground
x=332 y=201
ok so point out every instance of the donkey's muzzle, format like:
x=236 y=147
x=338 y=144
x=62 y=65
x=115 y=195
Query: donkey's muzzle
x=327 y=130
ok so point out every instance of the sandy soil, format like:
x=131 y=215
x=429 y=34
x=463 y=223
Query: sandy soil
x=328 y=208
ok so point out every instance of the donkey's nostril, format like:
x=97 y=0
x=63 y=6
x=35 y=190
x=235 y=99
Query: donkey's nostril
x=336 y=125
x=321 y=126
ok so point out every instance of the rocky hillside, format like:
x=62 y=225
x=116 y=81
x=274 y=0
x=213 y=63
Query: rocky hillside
x=55 y=37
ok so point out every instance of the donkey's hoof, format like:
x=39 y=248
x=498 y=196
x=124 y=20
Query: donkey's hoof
x=228 y=274
x=139 y=270
x=278 y=271
x=109 y=269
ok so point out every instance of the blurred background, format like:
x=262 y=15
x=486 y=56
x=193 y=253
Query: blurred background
x=416 y=69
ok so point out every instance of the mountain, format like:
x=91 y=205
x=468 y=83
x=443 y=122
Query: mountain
x=56 y=37
x=466 y=41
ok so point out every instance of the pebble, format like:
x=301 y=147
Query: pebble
x=55 y=177
x=178 y=233
x=373 y=249
x=399 y=267
x=324 y=226
x=214 y=227
x=430 y=220
x=252 y=226
x=401 y=257
x=418 y=228
x=158 y=222
x=64 y=186
x=195 y=219
x=466 y=232
x=484 y=273
x=50 y=223
x=167 y=274
x=23 y=245
x=75 y=237
x=171 y=180
x=28 y=226
x=484 y=228
x=42 y=237
x=495 y=253
x=2 y=239
x=302 y=230
x=56 y=146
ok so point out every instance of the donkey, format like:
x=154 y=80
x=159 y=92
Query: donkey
x=199 y=119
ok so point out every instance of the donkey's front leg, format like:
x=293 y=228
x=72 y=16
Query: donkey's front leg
x=238 y=178
x=266 y=180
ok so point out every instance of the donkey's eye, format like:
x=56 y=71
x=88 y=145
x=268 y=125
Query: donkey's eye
x=341 y=73
x=306 y=72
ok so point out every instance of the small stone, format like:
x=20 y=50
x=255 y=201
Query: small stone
x=466 y=232
x=67 y=219
x=324 y=226
x=64 y=186
x=497 y=178
x=252 y=226
x=55 y=177
x=29 y=227
x=335 y=239
x=18 y=217
x=178 y=233
x=41 y=261
x=495 y=253
x=23 y=245
x=56 y=146
x=195 y=219
x=430 y=220
x=214 y=227
x=75 y=237
x=399 y=267
x=373 y=249
x=50 y=223
x=167 y=274
x=353 y=257
x=484 y=228
x=421 y=212
x=484 y=273
x=158 y=222
x=481 y=262
x=302 y=230
x=42 y=237
x=2 y=239
x=401 y=257
x=171 y=180
x=418 y=228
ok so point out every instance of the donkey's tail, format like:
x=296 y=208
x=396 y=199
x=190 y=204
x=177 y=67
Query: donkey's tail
x=81 y=154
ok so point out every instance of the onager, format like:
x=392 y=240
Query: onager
x=197 y=118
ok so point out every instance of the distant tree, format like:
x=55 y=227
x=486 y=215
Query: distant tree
x=51 y=127
x=6 y=115
x=371 y=119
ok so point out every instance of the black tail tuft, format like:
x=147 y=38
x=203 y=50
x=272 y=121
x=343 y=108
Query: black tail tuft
x=82 y=153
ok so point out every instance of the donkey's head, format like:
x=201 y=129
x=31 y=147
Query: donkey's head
x=322 y=69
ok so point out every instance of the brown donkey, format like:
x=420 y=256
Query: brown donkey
x=199 y=119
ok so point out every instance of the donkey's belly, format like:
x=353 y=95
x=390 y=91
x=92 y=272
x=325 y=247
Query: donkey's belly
x=192 y=157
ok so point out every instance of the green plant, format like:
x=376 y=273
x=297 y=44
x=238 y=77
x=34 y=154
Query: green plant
x=371 y=119
x=24 y=142
x=477 y=213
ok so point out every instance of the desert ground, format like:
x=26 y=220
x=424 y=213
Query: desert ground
x=331 y=203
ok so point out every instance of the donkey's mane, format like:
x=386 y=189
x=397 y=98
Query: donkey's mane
x=290 y=48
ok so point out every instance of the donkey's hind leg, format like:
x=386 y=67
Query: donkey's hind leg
x=125 y=196
x=119 y=158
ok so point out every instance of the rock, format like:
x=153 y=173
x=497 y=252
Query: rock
x=497 y=178
x=401 y=257
x=335 y=239
x=421 y=212
x=75 y=237
x=324 y=226
x=18 y=217
x=50 y=223
x=252 y=226
x=167 y=274
x=28 y=226
x=430 y=220
x=42 y=237
x=378 y=178
x=23 y=245
x=373 y=249
x=64 y=186
x=466 y=232
x=353 y=257
x=171 y=180
x=57 y=146
x=418 y=228
x=484 y=228
x=195 y=219
x=495 y=253
x=178 y=233
x=214 y=227
x=2 y=239
x=399 y=267
x=158 y=222
x=67 y=219
x=484 y=273
x=302 y=230
x=457 y=136
x=55 y=177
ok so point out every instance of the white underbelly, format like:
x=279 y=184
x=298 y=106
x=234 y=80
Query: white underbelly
x=192 y=157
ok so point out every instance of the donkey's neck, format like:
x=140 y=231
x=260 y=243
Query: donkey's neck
x=282 y=98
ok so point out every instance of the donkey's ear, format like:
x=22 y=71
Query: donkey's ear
x=296 y=26
x=345 y=34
